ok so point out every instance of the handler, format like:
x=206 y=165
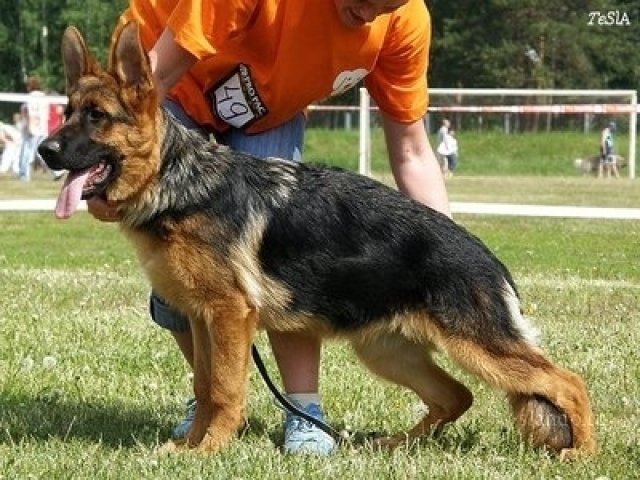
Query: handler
x=246 y=70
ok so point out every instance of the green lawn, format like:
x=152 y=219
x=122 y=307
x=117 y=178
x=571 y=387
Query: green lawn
x=485 y=153
x=90 y=388
x=532 y=168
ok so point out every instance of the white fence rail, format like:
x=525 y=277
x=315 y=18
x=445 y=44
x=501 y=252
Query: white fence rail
x=364 y=110
x=631 y=107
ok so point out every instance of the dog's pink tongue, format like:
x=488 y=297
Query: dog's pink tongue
x=70 y=194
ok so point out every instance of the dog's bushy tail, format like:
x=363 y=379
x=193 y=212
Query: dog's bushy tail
x=551 y=406
x=557 y=414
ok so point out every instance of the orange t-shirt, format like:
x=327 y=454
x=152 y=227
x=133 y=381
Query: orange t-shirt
x=263 y=61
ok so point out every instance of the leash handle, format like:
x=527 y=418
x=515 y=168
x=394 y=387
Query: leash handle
x=286 y=403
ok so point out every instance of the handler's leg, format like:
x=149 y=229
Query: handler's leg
x=297 y=356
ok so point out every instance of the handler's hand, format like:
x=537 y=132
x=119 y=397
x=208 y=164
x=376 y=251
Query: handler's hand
x=102 y=210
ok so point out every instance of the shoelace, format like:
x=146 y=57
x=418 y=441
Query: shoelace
x=297 y=422
x=300 y=424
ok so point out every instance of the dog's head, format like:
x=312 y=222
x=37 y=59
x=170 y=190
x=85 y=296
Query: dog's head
x=108 y=141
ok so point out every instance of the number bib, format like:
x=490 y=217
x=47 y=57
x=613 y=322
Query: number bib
x=235 y=99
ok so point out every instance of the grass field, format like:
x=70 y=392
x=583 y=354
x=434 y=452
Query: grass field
x=489 y=153
x=89 y=388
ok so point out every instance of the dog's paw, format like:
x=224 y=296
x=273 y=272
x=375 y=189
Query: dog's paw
x=587 y=450
x=569 y=454
x=212 y=443
x=389 y=442
x=172 y=446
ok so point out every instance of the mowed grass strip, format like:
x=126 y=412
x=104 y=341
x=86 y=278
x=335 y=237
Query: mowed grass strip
x=535 y=167
x=89 y=387
x=486 y=153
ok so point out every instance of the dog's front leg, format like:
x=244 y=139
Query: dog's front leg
x=202 y=355
x=222 y=345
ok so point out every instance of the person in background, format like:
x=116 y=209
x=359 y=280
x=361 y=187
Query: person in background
x=246 y=71
x=35 y=117
x=11 y=138
x=608 y=164
x=452 y=156
x=55 y=116
x=34 y=126
x=442 y=146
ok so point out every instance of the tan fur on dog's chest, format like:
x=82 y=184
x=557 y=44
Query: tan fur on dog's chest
x=188 y=274
x=183 y=272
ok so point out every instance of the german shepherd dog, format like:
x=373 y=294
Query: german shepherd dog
x=238 y=243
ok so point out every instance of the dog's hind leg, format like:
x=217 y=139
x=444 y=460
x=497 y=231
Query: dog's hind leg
x=399 y=360
x=550 y=404
x=222 y=337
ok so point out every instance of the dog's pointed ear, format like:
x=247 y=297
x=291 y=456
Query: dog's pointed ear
x=76 y=58
x=128 y=61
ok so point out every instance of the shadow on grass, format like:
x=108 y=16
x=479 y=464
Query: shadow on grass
x=114 y=425
x=459 y=439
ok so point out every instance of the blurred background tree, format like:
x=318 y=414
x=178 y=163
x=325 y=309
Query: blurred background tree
x=534 y=44
x=31 y=32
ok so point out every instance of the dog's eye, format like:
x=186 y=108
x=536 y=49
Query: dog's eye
x=92 y=114
x=96 y=115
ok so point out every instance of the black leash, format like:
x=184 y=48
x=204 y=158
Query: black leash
x=286 y=403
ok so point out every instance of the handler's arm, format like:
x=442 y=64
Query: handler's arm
x=169 y=62
x=414 y=164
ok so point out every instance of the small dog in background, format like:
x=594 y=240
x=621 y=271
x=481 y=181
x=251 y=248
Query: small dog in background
x=590 y=165
x=238 y=243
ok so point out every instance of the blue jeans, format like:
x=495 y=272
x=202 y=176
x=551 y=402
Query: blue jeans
x=28 y=153
x=285 y=141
